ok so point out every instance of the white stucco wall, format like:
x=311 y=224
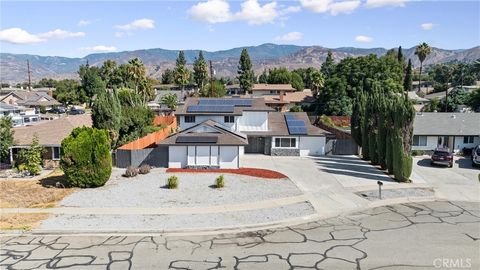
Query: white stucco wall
x=253 y=121
x=459 y=145
x=312 y=146
x=432 y=143
x=177 y=156
x=202 y=118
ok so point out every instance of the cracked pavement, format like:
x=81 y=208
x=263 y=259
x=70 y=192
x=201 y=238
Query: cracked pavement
x=402 y=236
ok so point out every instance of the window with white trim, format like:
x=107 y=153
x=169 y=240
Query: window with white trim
x=229 y=119
x=189 y=118
x=468 y=139
x=419 y=140
x=56 y=153
x=285 y=142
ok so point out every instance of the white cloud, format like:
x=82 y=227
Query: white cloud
x=384 y=3
x=212 y=11
x=334 y=7
x=100 y=48
x=60 y=34
x=19 y=36
x=251 y=11
x=427 y=26
x=318 y=6
x=84 y=22
x=292 y=36
x=363 y=39
x=344 y=7
x=138 y=24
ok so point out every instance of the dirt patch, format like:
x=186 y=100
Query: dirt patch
x=262 y=173
x=42 y=193
x=21 y=221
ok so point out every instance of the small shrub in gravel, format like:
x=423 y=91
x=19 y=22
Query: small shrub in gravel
x=220 y=182
x=172 y=182
x=144 y=169
x=130 y=172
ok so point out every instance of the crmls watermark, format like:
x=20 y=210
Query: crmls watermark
x=453 y=263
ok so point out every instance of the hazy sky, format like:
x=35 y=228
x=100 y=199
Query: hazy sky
x=75 y=29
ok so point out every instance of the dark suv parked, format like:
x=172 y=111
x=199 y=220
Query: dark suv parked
x=76 y=111
x=442 y=156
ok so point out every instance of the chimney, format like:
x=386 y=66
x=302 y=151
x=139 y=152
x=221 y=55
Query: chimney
x=282 y=93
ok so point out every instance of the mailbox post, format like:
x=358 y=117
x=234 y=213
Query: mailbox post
x=380 y=184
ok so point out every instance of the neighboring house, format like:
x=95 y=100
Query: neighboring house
x=418 y=102
x=233 y=89
x=285 y=101
x=30 y=99
x=217 y=132
x=20 y=115
x=262 y=89
x=452 y=130
x=50 y=134
x=161 y=109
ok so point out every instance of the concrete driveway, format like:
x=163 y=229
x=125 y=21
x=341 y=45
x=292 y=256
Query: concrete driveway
x=459 y=182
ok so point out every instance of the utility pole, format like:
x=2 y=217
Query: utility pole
x=29 y=76
x=211 y=79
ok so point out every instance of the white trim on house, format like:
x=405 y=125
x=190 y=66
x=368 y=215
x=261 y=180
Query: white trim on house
x=225 y=157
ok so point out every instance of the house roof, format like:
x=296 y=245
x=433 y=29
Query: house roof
x=222 y=134
x=50 y=132
x=268 y=87
x=304 y=96
x=460 y=124
x=278 y=127
x=258 y=104
x=412 y=95
x=4 y=107
x=33 y=98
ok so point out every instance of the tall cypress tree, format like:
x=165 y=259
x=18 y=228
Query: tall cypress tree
x=382 y=131
x=407 y=82
x=245 y=73
x=365 y=124
x=181 y=59
x=400 y=57
x=358 y=115
x=200 y=70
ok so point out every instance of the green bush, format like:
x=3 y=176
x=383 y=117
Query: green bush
x=30 y=159
x=418 y=153
x=172 y=182
x=43 y=110
x=220 y=182
x=85 y=158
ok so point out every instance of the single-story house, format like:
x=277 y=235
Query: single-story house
x=452 y=130
x=50 y=135
x=30 y=99
x=19 y=114
x=286 y=100
x=217 y=132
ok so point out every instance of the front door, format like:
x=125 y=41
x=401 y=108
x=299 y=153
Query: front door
x=256 y=145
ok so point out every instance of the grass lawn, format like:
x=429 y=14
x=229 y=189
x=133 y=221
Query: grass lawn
x=33 y=193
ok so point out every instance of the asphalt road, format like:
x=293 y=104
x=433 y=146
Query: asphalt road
x=430 y=235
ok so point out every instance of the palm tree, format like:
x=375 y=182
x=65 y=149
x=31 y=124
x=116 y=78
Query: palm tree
x=317 y=80
x=170 y=100
x=422 y=51
x=136 y=71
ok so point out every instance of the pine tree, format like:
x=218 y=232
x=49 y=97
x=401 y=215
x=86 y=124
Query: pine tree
x=181 y=59
x=263 y=77
x=245 y=73
x=200 y=70
x=328 y=66
x=407 y=82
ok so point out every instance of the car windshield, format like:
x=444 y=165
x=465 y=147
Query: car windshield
x=440 y=153
x=478 y=151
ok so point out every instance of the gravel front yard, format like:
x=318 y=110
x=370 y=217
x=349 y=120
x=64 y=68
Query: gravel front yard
x=194 y=190
x=175 y=222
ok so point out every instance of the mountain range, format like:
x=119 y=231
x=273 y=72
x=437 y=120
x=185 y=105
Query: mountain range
x=13 y=67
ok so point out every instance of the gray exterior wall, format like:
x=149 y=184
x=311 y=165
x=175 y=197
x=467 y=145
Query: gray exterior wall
x=156 y=157
x=285 y=152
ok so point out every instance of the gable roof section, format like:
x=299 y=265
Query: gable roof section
x=223 y=135
x=50 y=132
x=32 y=98
x=460 y=124
x=269 y=87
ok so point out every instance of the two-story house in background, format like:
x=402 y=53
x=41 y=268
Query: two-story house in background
x=216 y=132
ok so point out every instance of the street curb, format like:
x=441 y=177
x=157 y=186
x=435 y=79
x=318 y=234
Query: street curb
x=224 y=230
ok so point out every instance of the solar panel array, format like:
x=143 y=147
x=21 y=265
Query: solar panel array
x=210 y=108
x=295 y=126
x=240 y=102
x=196 y=139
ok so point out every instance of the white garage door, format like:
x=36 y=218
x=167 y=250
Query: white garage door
x=229 y=157
x=203 y=155
x=312 y=146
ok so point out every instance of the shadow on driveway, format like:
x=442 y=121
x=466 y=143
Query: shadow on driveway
x=352 y=167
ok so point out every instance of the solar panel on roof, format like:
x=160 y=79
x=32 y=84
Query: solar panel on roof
x=210 y=108
x=297 y=130
x=295 y=123
x=289 y=117
x=233 y=102
x=196 y=139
